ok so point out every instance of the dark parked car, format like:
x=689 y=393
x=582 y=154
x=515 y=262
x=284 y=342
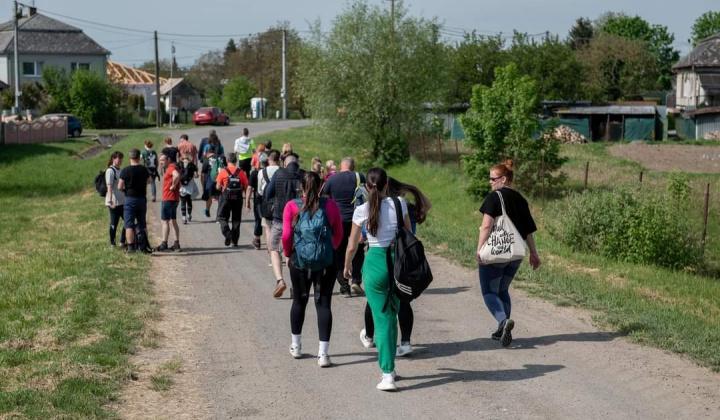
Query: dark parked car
x=74 y=125
x=210 y=115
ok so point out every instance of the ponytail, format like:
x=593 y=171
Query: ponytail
x=310 y=185
x=422 y=203
x=505 y=169
x=375 y=181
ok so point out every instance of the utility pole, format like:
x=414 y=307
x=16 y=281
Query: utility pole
x=284 y=75
x=158 y=112
x=18 y=92
x=172 y=64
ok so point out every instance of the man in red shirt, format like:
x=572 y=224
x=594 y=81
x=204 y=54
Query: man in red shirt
x=186 y=147
x=169 y=204
x=231 y=182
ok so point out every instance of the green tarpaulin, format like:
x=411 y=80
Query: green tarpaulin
x=639 y=128
x=581 y=125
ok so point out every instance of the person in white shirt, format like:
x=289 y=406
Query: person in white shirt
x=114 y=199
x=244 y=148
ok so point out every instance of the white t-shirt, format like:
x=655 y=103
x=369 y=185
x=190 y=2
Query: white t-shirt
x=261 y=179
x=112 y=175
x=387 y=224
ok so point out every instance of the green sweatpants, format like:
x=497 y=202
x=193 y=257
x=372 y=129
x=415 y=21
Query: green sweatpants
x=375 y=277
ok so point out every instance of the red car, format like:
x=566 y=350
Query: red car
x=210 y=116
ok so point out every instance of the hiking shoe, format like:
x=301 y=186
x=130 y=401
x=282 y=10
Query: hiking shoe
x=228 y=241
x=296 y=351
x=256 y=243
x=189 y=217
x=279 y=289
x=345 y=292
x=207 y=212
x=496 y=335
x=153 y=199
x=324 y=360
x=368 y=342
x=163 y=247
x=506 y=327
x=176 y=246
x=387 y=383
x=357 y=289
x=404 y=349
x=185 y=220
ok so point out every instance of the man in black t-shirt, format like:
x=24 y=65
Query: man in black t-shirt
x=134 y=180
x=255 y=199
x=341 y=188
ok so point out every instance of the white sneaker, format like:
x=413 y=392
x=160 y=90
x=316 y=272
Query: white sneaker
x=404 y=350
x=367 y=341
x=387 y=383
x=296 y=351
x=324 y=360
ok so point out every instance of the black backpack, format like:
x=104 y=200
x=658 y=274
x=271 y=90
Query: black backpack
x=187 y=173
x=266 y=205
x=100 y=185
x=410 y=275
x=233 y=189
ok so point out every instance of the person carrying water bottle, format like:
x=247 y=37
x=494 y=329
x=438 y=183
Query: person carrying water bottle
x=312 y=229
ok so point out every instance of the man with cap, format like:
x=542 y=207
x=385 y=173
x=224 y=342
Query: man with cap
x=256 y=198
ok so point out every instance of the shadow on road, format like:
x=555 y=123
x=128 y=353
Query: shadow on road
x=207 y=251
x=457 y=375
x=533 y=342
x=446 y=290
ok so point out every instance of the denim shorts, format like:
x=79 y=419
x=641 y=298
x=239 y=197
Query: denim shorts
x=168 y=210
x=134 y=212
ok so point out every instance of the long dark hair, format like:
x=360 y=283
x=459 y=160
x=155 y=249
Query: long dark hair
x=422 y=203
x=116 y=154
x=375 y=181
x=310 y=185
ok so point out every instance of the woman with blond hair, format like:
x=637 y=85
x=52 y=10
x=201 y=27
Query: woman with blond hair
x=286 y=150
x=495 y=278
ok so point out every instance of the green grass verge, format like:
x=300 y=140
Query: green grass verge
x=71 y=309
x=670 y=309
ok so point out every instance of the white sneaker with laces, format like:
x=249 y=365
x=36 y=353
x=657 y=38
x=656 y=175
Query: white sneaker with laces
x=367 y=341
x=296 y=351
x=387 y=383
x=324 y=360
x=404 y=349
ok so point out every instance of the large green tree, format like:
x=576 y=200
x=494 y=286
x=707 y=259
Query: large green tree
x=94 y=99
x=706 y=25
x=473 y=62
x=236 y=95
x=501 y=124
x=369 y=78
x=581 y=33
x=57 y=84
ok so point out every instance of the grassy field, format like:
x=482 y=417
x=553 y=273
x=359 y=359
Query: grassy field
x=72 y=310
x=676 y=310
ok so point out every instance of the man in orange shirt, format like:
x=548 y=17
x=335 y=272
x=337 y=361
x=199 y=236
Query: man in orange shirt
x=170 y=201
x=186 y=147
x=231 y=182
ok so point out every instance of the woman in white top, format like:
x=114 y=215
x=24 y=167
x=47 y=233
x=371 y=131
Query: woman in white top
x=114 y=199
x=379 y=218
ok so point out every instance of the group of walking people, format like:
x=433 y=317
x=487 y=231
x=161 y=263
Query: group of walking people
x=329 y=224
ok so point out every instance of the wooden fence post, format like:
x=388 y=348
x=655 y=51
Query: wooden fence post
x=705 y=212
x=409 y=145
x=587 y=169
x=457 y=153
x=640 y=177
x=439 y=137
x=542 y=178
x=422 y=140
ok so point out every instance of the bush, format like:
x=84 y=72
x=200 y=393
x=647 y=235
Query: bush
x=93 y=99
x=236 y=95
x=628 y=224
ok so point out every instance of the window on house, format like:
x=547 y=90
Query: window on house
x=79 y=66
x=32 y=68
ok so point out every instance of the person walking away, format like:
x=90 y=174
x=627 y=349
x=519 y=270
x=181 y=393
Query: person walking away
x=330 y=169
x=418 y=212
x=283 y=187
x=231 y=182
x=169 y=150
x=169 y=204
x=201 y=146
x=134 y=180
x=342 y=188
x=286 y=150
x=495 y=279
x=185 y=147
x=188 y=187
x=254 y=164
x=266 y=205
x=309 y=246
x=215 y=145
x=268 y=146
x=317 y=167
x=114 y=199
x=245 y=147
x=150 y=160
x=208 y=177
x=379 y=217
x=253 y=200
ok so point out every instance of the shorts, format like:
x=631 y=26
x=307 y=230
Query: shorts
x=267 y=222
x=134 y=212
x=168 y=210
x=276 y=229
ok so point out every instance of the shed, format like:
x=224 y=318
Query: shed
x=706 y=121
x=615 y=122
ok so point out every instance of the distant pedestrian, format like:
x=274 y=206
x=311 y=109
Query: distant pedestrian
x=134 y=180
x=115 y=199
x=203 y=143
x=268 y=145
x=379 y=217
x=495 y=278
x=231 y=182
x=330 y=169
x=151 y=162
x=286 y=150
x=245 y=147
x=169 y=150
x=253 y=200
x=343 y=188
x=215 y=145
x=316 y=166
x=169 y=204
x=210 y=169
x=254 y=164
x=188 y=187
x=309 y=249
x=185 y=147
x=283 y=187
x=266 y=204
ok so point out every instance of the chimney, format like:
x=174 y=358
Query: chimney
x=32 y=11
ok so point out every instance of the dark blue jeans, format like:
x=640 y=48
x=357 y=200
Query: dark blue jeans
x=115 y=215
x=495 y=282
x=134 y=214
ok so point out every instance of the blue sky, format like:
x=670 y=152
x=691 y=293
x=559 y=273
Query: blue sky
x=226 y=17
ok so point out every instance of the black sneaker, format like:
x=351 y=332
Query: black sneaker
x=496 y=335
x=228 y=241
x=256 y=243
x=176 y=246
x=506 y=328
x=345 y=292
x=163 y=247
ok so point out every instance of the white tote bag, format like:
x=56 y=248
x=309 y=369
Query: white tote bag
x=505 y=243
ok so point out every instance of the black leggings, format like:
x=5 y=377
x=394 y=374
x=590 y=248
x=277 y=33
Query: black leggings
x=324 y=281
x=405 y=317
x=186 y=204
x=115 y=215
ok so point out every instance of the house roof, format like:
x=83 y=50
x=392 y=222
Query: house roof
x=125 y=75
x=169 y=85
x=705 y=54
x=703 y=111
x=39 y=34
x=612 y=109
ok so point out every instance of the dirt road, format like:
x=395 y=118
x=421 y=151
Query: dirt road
x=232 y=337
